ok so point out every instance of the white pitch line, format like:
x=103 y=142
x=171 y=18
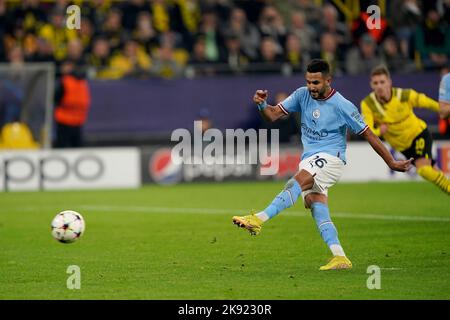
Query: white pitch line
x=243 y=211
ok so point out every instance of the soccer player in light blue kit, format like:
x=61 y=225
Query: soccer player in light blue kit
x=325 y=116
x=444 y=94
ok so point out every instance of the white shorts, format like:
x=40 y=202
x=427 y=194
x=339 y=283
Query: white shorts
x=326 y=170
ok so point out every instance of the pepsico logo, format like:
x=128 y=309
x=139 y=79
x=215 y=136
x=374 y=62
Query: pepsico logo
x=162 y=169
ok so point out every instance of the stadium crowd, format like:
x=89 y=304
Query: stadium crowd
x=177 y=38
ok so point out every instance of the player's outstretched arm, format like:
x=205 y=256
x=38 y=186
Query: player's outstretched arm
x=268 y=112
x=444 y=109
x=378 y=146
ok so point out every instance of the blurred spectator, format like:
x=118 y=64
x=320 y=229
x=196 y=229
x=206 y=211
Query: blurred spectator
x=306 y=33
x=174 y=40
x=44 y=51
x=29 y=15
x=86 y=33
x=185 y=17
x=199 y=53
x=75 y=52
x=160 y=14
x=99 y=60
x=112 y=30
x=310 y=9
x=444 y=11
x=144 y=32
x=199 y=62
x=393 y=58
x=271 y=25
x=132 y=61
x=57 y=34
x=164 y=64
x=2 y=30
x=214 y=42
x=362 y=59
x=38 y=27
x=96 y=11
x=331 y=24
x=73 y=99
x=269 y=52
x=18 y=35
x=295 y=55
x=15 y=55
x=405 y=16
x=433 y=41
x=252 y=9
x=235 y=57
x=247 y=33
x=131 y=10
x=61 y=5
x=329 y=52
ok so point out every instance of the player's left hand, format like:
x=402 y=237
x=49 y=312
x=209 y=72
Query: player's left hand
x=401 y=165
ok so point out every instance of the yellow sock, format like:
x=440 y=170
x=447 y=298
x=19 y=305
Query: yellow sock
x=435 y=176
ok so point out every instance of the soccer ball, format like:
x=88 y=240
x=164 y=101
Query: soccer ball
x=67 y=226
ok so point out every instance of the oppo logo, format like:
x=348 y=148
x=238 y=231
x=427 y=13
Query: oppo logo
x=21 y=169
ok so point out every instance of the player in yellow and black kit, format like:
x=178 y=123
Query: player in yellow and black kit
x=389 y=113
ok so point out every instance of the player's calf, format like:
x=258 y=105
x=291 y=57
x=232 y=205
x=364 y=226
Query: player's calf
x=328 y=231
x=285 y=199
x=435 y=176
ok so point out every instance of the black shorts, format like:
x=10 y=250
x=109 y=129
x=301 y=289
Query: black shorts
x=420 y=147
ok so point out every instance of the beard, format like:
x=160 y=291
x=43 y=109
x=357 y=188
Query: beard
x=317 y=94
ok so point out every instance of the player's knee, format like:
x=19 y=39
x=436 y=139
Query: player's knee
x=304 y=179
x=314 y=198
x=289 y=184
x=307 y=202
x=421 y=162
x=291 y=192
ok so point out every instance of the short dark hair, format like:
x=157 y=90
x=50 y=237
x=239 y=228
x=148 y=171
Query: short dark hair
x=319 y=65
x=380 y=70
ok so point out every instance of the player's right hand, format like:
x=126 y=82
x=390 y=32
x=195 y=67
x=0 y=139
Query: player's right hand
x=260 y=96
x=383 y=128
x=401 y=165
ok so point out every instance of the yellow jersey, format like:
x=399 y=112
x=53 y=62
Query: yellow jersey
x=403 y=124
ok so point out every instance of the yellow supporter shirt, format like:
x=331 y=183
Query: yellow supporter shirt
x=403 y=124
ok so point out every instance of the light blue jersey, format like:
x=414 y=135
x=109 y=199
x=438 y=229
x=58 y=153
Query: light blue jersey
x=324 y=122
x=444 y=88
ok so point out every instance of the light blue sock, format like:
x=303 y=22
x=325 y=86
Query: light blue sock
x=327 y=230
x=285 y=199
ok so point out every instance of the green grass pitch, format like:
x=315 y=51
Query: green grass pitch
x=178 y=242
